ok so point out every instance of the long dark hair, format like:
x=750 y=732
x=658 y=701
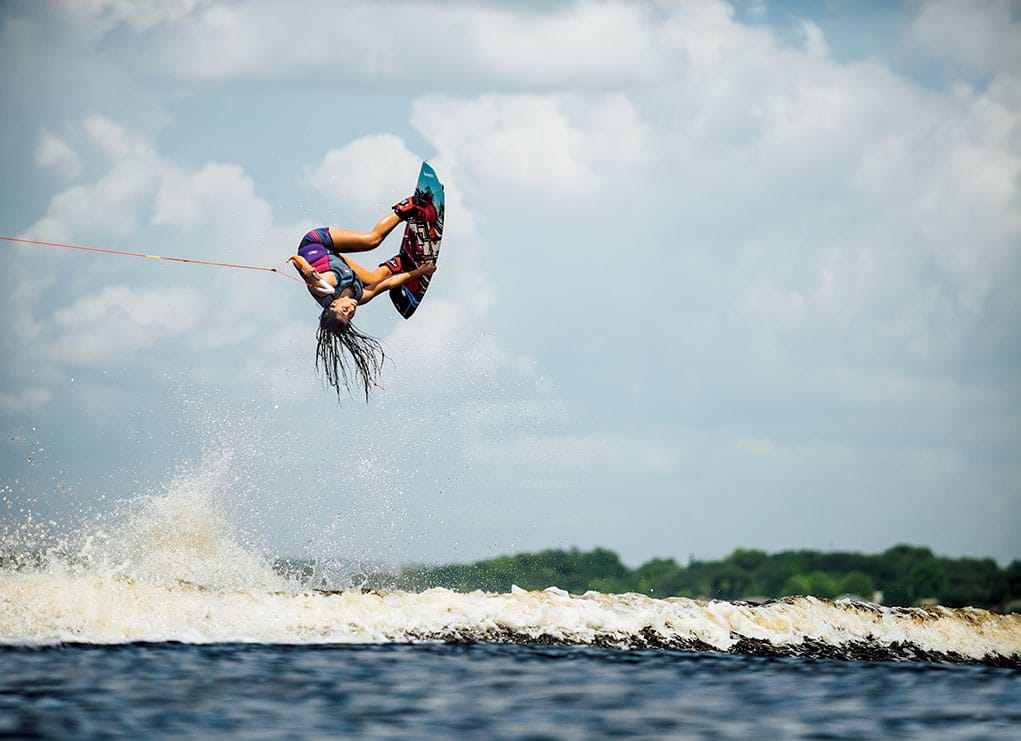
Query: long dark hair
x=344 y=354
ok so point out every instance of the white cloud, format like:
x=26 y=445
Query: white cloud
x=602 y=43
x=113 y=204
x=449 y=339
x=215 y=193
x=24 y=401
x=982 y=35
x=369 y=174
x=583 y=43
x=116 y=323
x=143 y=202
x=558 y=145
x=815 y=41
x=142 y=189
x=52 y=151
x=140 y=15
x=116 y=141
x=969 y=201
x=621 y=456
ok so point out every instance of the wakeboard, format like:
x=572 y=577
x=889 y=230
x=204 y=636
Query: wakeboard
x=421 y=243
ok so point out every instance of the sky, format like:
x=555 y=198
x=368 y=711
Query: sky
x=714 y=275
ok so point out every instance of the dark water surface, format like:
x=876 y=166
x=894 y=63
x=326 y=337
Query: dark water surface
x=488 y=691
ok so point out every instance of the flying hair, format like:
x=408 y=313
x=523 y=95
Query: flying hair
x=346 y=355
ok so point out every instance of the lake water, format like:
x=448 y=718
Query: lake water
x=488 y=691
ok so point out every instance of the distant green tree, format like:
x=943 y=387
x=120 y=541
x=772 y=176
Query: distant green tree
x=661 y=577
x=822 y=585
x=894 y=572
x=903 y=573
x=858 y=584
x=614 y=585
x=974 y=582
x=780 y=567
x=1012 y=574
x=926 y=578
x=729 y=582
x=747 y=560
x=796 y=585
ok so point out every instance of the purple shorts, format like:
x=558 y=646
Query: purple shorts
x=315 y=247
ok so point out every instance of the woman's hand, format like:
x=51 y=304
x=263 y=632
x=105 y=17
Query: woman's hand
x=374 y=289
x=318 y=284
x=428 y=269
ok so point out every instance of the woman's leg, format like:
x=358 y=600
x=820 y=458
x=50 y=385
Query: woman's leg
x=366 y=276
x=347 y=240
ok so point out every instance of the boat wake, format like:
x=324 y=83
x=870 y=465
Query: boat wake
x=173 y=570
x=48 y=608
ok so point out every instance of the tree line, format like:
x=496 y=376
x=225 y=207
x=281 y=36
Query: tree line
x=904 y=575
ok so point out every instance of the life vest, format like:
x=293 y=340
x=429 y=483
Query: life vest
x=322 y=261
x=346 y=278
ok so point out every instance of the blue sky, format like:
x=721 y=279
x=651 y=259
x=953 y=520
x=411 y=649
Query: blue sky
x=714 y=275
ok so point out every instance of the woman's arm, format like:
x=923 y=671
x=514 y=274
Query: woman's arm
x=320 y=285
x=395 y=280
x=367 y=277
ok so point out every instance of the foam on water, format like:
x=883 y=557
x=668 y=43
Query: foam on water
x=97 y=608
x=173 y=568
x=182 y=536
